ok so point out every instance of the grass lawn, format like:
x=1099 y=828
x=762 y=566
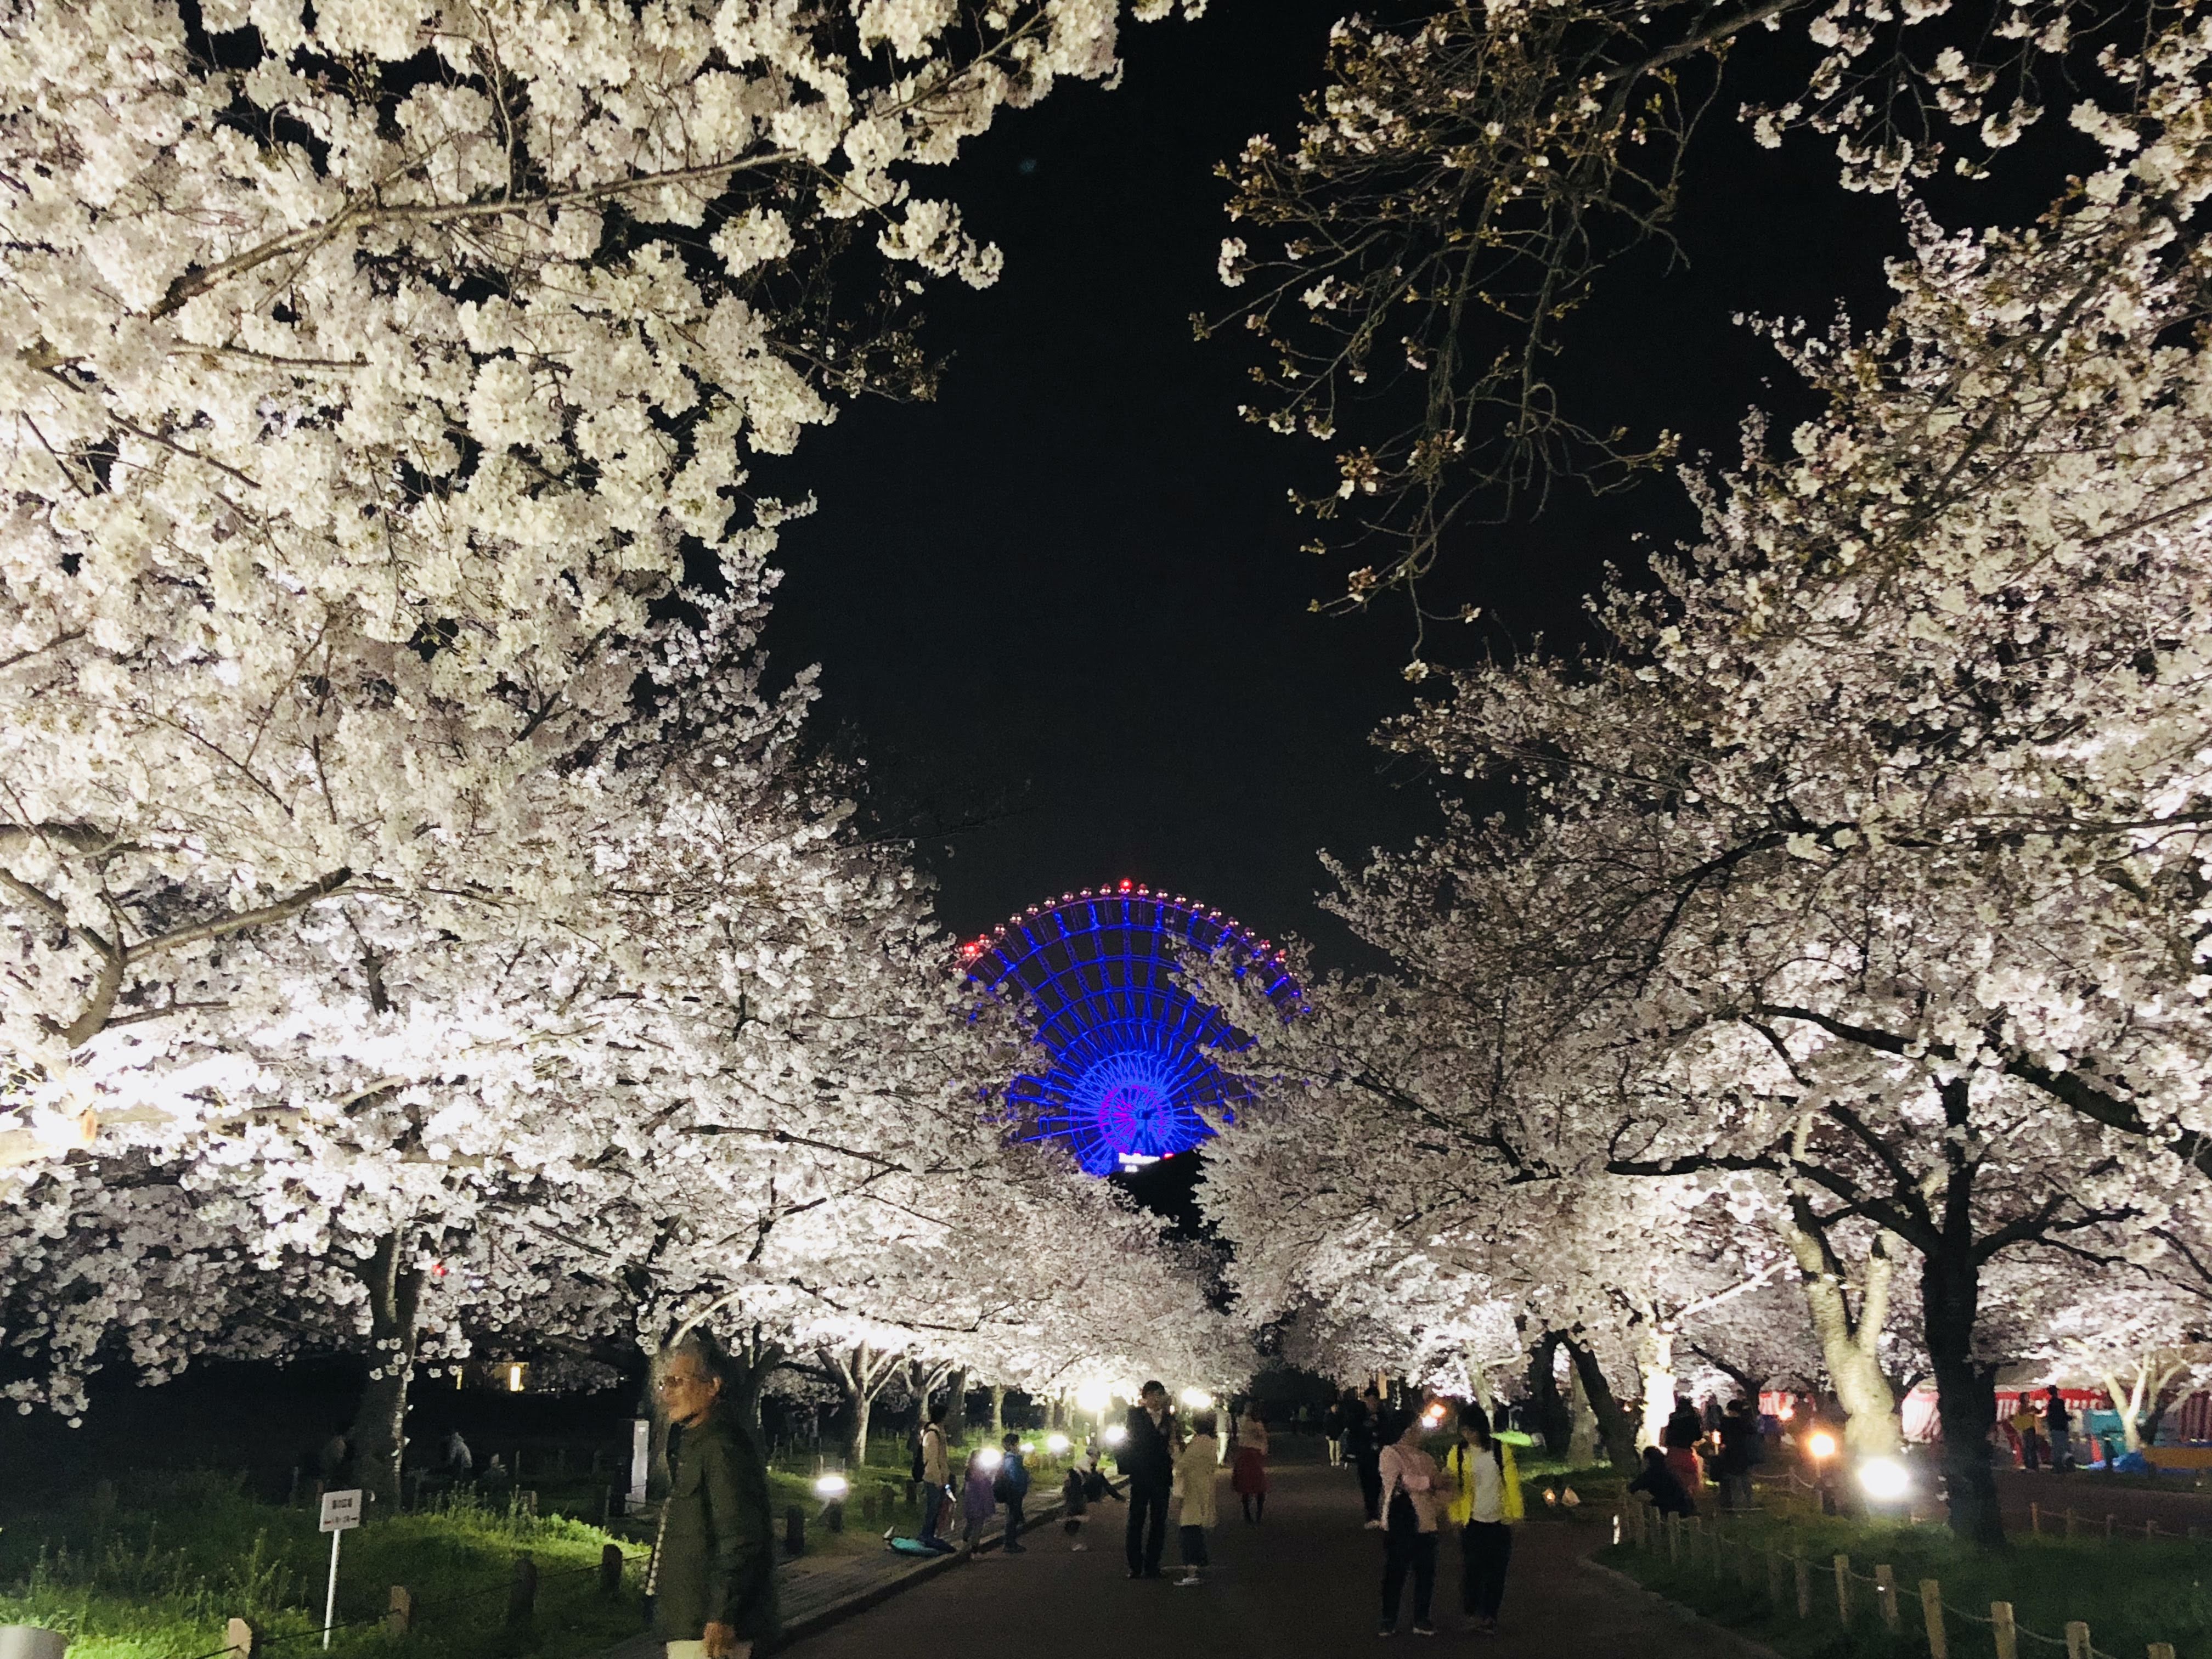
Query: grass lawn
x=156 y=1574
x=2129 y=1593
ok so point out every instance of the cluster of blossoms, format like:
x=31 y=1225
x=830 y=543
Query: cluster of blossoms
x=1849 y=929
x=416 y=921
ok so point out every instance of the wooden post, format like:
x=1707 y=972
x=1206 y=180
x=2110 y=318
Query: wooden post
x=2001 y=1627
x=794 y=1531
x=2077 y=1639
x=1674 y=1538
x=1932 y=1617
x=1774 y=1577
x=242 y=1639
x=1885 y=1596
x=2035 y=1520
x=1699 y=1554
x=610 y=1569
x=1804 y=1584
x=399 y=1611
x=522 y=1593
x=2108 y=1526
x=2150 y=1532
x=1843 y=1591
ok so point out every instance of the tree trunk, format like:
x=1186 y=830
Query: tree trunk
x=1582 y=1423
x=857 y=1404
x=1549 y=1412
x=956 y=1407
x=380 y=1426
x=1654 y=1360
x=1615 y=1427
x=998 y=1411
x=1965 y=1399
x=1849 y=1346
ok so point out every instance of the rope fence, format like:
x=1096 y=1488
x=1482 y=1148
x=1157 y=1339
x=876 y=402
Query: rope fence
x=1794 y=1580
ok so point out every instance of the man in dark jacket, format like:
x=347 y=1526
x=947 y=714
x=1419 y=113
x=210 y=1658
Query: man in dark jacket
x=1147 y=1457
x=1363 y=1444
x=713 y=1578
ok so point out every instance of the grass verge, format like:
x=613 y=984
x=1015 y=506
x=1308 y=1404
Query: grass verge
x=156 y=1572
x=2129 y=1594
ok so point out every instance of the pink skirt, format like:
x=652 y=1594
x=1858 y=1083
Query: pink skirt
x=1249 y=1478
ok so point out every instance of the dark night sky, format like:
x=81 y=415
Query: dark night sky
x=1067 y=594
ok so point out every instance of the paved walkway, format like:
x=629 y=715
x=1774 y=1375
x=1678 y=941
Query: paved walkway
x=1306 y=1583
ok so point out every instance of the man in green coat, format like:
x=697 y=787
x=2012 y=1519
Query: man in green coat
x=712 y=1579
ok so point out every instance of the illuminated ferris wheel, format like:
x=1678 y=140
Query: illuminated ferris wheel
x=1130 y=1079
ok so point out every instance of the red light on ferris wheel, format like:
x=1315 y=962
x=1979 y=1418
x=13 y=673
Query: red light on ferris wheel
x=1127 y=885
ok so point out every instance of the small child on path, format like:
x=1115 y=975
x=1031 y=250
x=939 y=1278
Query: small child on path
x=979 y=1502
x=1196 y=1466
x=1075 y=1506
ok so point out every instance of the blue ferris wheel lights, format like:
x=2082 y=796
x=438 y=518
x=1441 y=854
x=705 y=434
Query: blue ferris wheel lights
x=1128 y=1078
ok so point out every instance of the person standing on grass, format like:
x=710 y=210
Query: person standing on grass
x=2058 y=1422
x=1013 y=1489
x=1486 y=1500
x=1250 y=1479
x=1332 y=1429
x=1684 y=1429
x=1363 y=1444
x=713 y=1576
x=1739 y=1453
x=1412 y=1504
x=1196 y=1466
x=1663 y=1486
x=979 y=1500
x=2025 y=1425
x=1148 y=1458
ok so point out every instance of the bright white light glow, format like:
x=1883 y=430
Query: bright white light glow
x=1028 y=1449
x=1137 y=1160
x=1822 y=1445
x=1057 y=1444
x=1115 y=1434
x=514 y=1379
x=831 y=1487
x=1434 y=1414
x=1197 y=1399
x=1093 y=1397
x=1885 y=1480
x=991 y=1456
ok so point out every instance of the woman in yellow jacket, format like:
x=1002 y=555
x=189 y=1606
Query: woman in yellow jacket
x=1485 y=1502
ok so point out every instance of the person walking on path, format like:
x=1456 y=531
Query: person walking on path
x=1486 y=1500
x=712 y=1577
x=1363 y=1444
x=932 y=1465
x=979 y=1500
x=1196 y=1466
x=1013 y=1489
x=1332 y=1429
x=1663 y=1486
x=1250 y=1478
x=1412 y=1504
x=1148 y=1458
